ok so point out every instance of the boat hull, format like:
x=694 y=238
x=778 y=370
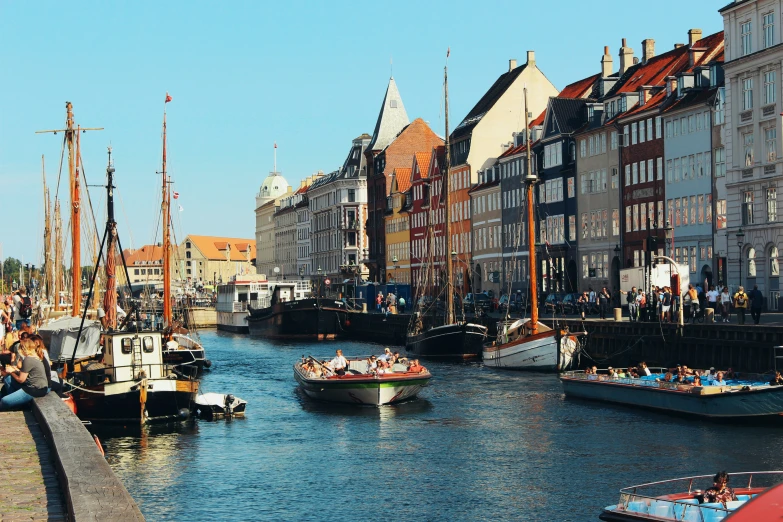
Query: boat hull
x=232 y=322
x=304 y=319
x=166 y=401
x=368 y=391
x=454 y=342
x=764 y=402
x=537 y=352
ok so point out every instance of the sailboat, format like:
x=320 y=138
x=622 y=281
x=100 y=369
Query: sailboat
x=125 y=380
x=529 y=344
x=453 y=340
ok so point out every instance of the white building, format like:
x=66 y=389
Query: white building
x=274 y=188
x=338 y=208
x=753 y=57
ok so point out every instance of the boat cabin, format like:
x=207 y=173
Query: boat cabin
x=236 y=295
x=285 y=291
x=132 y=355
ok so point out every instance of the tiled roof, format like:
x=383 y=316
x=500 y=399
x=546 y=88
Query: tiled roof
x=148 y=254
x=539 y=120
x=391 y=118
x=422 y=160
x=403 y=177
x=654 y=101
x=695 y=97
x=215 y=247
x=482 y=186
x=564 y=116
x=581 y=89
x=487 y=101
x=657 y=68
x=302 y=190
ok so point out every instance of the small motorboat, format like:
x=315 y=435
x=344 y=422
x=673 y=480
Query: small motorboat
x=758 y=498
x=212 y=406
x=359 y=385
x=748 y=397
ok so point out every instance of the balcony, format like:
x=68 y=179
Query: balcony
x=350 y=224
x=768 y=110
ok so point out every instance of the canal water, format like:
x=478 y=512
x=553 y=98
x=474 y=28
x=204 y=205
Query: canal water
x=479 y=444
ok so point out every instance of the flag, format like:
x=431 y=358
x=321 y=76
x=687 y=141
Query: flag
x=175 y=194
x=448 y=52
x=168 y=98
x=180 y=208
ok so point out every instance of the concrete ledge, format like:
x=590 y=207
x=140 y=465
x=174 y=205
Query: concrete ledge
x=91 y=489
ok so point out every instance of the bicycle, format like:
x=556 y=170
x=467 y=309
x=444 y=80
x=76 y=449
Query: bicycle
x=696 y=314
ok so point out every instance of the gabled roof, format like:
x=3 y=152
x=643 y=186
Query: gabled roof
x=586 y=88
x=437 y=158
x=485 y=185
x=487 y=101
x=564 y=116
x=148 y=254
x=422 y=160
x=391 y=118
x=402 y=178
x=215 y=248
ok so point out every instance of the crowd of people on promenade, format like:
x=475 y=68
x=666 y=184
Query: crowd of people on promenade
x=376 y=365
x=389 y=304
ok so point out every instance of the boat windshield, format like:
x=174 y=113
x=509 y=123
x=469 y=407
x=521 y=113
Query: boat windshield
x=674 y=498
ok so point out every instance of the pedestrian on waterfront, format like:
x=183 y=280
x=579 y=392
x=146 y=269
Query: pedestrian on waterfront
x=725 y=303
x=23 y=307
x=591 y=295
x=382 y=300
x=378 y=301
x=666 y=304
x=756 y=303
x=603 y=302
x=401 y=304
x=741 y=304
x=23 y=385
x=693 y=295
x=712 y=298
x=633 y=307
x=581 y=303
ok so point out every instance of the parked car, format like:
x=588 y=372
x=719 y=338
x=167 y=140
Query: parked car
x=475 y=302
x=512 y=302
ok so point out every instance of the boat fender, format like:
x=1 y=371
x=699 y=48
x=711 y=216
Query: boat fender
x=207 y=363
x=347 y=322
x=183 y=414
x=98 y=443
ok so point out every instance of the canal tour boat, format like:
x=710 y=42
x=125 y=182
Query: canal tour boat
x=360 y=386
x=747 y=399
x=234 y=298
x=759 y=497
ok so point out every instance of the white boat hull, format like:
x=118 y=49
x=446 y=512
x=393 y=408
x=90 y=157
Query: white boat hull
x=232 y=321
x=539 y=353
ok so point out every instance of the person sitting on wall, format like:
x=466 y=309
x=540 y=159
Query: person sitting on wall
x=26 y=383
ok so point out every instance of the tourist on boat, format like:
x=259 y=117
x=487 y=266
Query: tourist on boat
x=644 y=369
x=697 y=381
x=756 y=303
x=741 y=304
x=415 y=367
x=387 y=354
x=613 y=373
x=777 y=380
x=23 y=385
x=339 y=363
x=718 y=380
x=632 y=373
x=720 y=490
x=725 y=304
x=372 y=364
x=633 y=306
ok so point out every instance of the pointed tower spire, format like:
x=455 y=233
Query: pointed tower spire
x=391 y=119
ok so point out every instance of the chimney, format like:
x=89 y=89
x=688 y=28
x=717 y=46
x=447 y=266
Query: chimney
x=512 y=64
x=531 y=58
x=606 y=63
x=648 y=49
x=678 y=45
x=626 y=58
x=695 y=54
x=671 y=85
x=694 y=35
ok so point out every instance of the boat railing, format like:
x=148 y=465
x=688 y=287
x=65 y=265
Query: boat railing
x=672 y=498
x=738 y=381
x=108 y=374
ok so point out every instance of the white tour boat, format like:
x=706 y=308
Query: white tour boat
x=235 y=296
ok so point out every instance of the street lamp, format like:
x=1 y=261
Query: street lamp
x=740 y=242
x=669 y=231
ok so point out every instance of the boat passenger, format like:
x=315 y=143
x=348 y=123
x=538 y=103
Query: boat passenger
x=594 y=371
x=339 y=363
x=381 y=371
x=415 y=367
x=718 y=380
x=720 y=490
x=777 y=380
x=632 y=373
x=372 y=364
x=386 y=354
x=613 y=373
x=644 y=369
x=697 y=381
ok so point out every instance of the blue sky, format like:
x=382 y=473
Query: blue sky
x=308 y=75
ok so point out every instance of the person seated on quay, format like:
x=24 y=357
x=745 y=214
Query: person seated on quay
x=415 y=367
x=55 y=383
x=777 y=380
x=720 y=490
x=24 y=384
x=339 y=363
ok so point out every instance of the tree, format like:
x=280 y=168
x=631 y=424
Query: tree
x=10 y=272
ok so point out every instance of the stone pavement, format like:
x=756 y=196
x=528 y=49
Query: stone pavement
x=28 y=481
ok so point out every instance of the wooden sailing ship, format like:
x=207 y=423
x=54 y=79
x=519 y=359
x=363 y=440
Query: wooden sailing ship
x=452 y=340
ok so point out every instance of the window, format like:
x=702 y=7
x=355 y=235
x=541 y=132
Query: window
x=747 y=208
x=694 y=261
x=650 y=129
x=628 y=218
x=772 y=204
x=774 y=264
x=582 y=148
x=691 y=166
x=720 y=105
x=642 y=133
x=553 y=155
x=670 y=211
x=635 y=217
x=720 y=213
x=660 y=214
x=751 y=262
x=677 y=167
x=769 y=87
x=720 y=162
x=627 y=175
x=634 y=133
x=769 y=29
x=685 y=211
x=584 y=225
x=677 y=220
x=585 y=266
x=747 y=94
x=659 y=166
x=669 y=129
x=613 y=140
x=571 y=191
x=603 y=142
x=352 y=194
x=642 y=172
x=770 y=139
x=669 y=171
x=701 y=208
x=625 y=136
x=591 y=148
x=658 y=127
x=635 y=170
x=615 y=179
x=708 y=208
x=691 y=123
x=643 y=216
x=745 y=36
x=747 y=141
x=572 y=228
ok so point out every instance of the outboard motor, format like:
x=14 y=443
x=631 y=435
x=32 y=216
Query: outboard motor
x=228 y=403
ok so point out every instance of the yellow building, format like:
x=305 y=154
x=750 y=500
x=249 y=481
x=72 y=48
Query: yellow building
x=398 y=236
x=210 y=259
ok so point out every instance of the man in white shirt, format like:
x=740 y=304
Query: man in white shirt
x=712 y=298
x=339 y=363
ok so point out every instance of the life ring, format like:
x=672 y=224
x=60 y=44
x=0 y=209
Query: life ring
x=68 y=401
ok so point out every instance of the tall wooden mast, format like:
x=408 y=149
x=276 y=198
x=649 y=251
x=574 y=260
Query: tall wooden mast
x=447 y=203
x=166 y=237
x=530 y=181
x=58 y=254
x=47 y=253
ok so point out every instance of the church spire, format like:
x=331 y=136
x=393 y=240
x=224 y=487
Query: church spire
x=391 y=119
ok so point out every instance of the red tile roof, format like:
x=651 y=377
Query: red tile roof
x=652 y=103
x=303 y=189
x=579 y=89
x=148 y=254
x=215 y=247
x=422 y=159
x=403 y=177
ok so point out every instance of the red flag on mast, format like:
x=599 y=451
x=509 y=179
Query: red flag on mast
x=168 y=98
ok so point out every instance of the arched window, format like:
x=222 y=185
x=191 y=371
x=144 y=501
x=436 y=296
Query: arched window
x=774 y=264
x=751 y=262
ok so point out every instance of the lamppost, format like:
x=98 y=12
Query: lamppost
x=619 y=264
x=396 y=267
x=669 y=231
x=318 y=295
x=740 y=242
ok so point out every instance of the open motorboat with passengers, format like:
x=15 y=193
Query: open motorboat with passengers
x=758 y=495
x=747 y=396
x=360 y=385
